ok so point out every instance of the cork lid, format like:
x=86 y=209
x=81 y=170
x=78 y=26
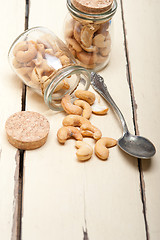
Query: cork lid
x=27 y=130
x=92 y=6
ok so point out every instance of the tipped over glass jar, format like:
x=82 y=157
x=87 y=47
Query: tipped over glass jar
x=88 y=31
x=44 y=63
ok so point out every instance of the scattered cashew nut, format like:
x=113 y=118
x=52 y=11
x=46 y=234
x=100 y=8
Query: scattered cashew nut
x=87 y=129
x=102 y=145
x=65 y=133
x=86 y=96
x=74 y=120
x=87 y=110
x=84 y=151
x=99 y=109
x=69 y=107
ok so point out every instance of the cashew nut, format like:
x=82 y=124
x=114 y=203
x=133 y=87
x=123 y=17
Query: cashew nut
x=69 y=107
x=36 y=75
x=41 y=48
x=64 y=60
x=87 y=110
x=63 y=84
x=75 y=45
x=20 y=46
x=38 y=61
x=17 y=64
x=87 y=58
x=74 y=120
x=99 y=109
x=65 y=133
x=49 y=51
x=29 y=64
x=102 y=145
x=100 y=41
x=24 y=70
x=84 y=151
x=87 y=34
x=44 y=41
x=89 y=66
x=45 y=81
x=86 y=96
x=90 y=49
x=73 y=51
x=25 y=51
x=88 y=130
x=103 y=28
x=45 y=68
x=77 y=31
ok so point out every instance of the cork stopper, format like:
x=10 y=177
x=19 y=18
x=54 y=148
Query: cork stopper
x=27 y=130
x=92 y=6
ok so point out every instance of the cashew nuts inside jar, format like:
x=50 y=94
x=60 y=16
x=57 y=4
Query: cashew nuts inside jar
x=44 y=63
x=88 y=31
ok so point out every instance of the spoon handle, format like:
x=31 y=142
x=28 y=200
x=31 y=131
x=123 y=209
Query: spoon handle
x=98 y=84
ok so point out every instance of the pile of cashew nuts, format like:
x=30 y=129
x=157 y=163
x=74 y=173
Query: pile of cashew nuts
x=78 y=125
x=90 y=43
x=35 y=61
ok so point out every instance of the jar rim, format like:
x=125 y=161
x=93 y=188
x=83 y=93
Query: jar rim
x=62 y=74
x=91 y=16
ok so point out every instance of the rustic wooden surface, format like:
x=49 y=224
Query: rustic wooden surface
x=46 y=193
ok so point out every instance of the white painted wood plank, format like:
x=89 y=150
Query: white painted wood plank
x=11 y=24
x=64 y=198
x=143 y=37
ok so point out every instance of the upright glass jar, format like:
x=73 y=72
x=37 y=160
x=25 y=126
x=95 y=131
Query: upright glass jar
x=88 y=32
x=45 y=64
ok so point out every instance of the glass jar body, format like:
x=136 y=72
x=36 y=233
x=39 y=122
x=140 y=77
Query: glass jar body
x=89 y=36
x=44 y=63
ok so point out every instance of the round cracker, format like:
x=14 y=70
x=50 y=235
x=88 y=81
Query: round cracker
x=93 y=6
x=27 y=130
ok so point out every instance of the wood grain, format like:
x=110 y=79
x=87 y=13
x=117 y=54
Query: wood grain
x=70 y=200
x=144 y=61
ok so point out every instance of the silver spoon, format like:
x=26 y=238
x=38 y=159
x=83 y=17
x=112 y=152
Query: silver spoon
x=134 y=145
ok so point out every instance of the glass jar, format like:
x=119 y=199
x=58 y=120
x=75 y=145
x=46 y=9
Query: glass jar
x=45 y=64
x=88 y=34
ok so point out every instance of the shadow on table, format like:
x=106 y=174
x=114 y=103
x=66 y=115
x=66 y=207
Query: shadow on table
x=145 y=163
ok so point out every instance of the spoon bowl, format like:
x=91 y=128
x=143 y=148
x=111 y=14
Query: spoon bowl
x=134 y=145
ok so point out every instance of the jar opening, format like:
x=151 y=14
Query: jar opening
x=76 y=77
x=91 y=16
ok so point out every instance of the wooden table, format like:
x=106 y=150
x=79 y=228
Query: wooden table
x=47 y=194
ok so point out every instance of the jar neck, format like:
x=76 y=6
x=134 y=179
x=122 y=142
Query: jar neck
x=77 y=76
x=102 y=17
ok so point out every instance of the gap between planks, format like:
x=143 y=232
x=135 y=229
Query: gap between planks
x=19 y=158
x=135 y=122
